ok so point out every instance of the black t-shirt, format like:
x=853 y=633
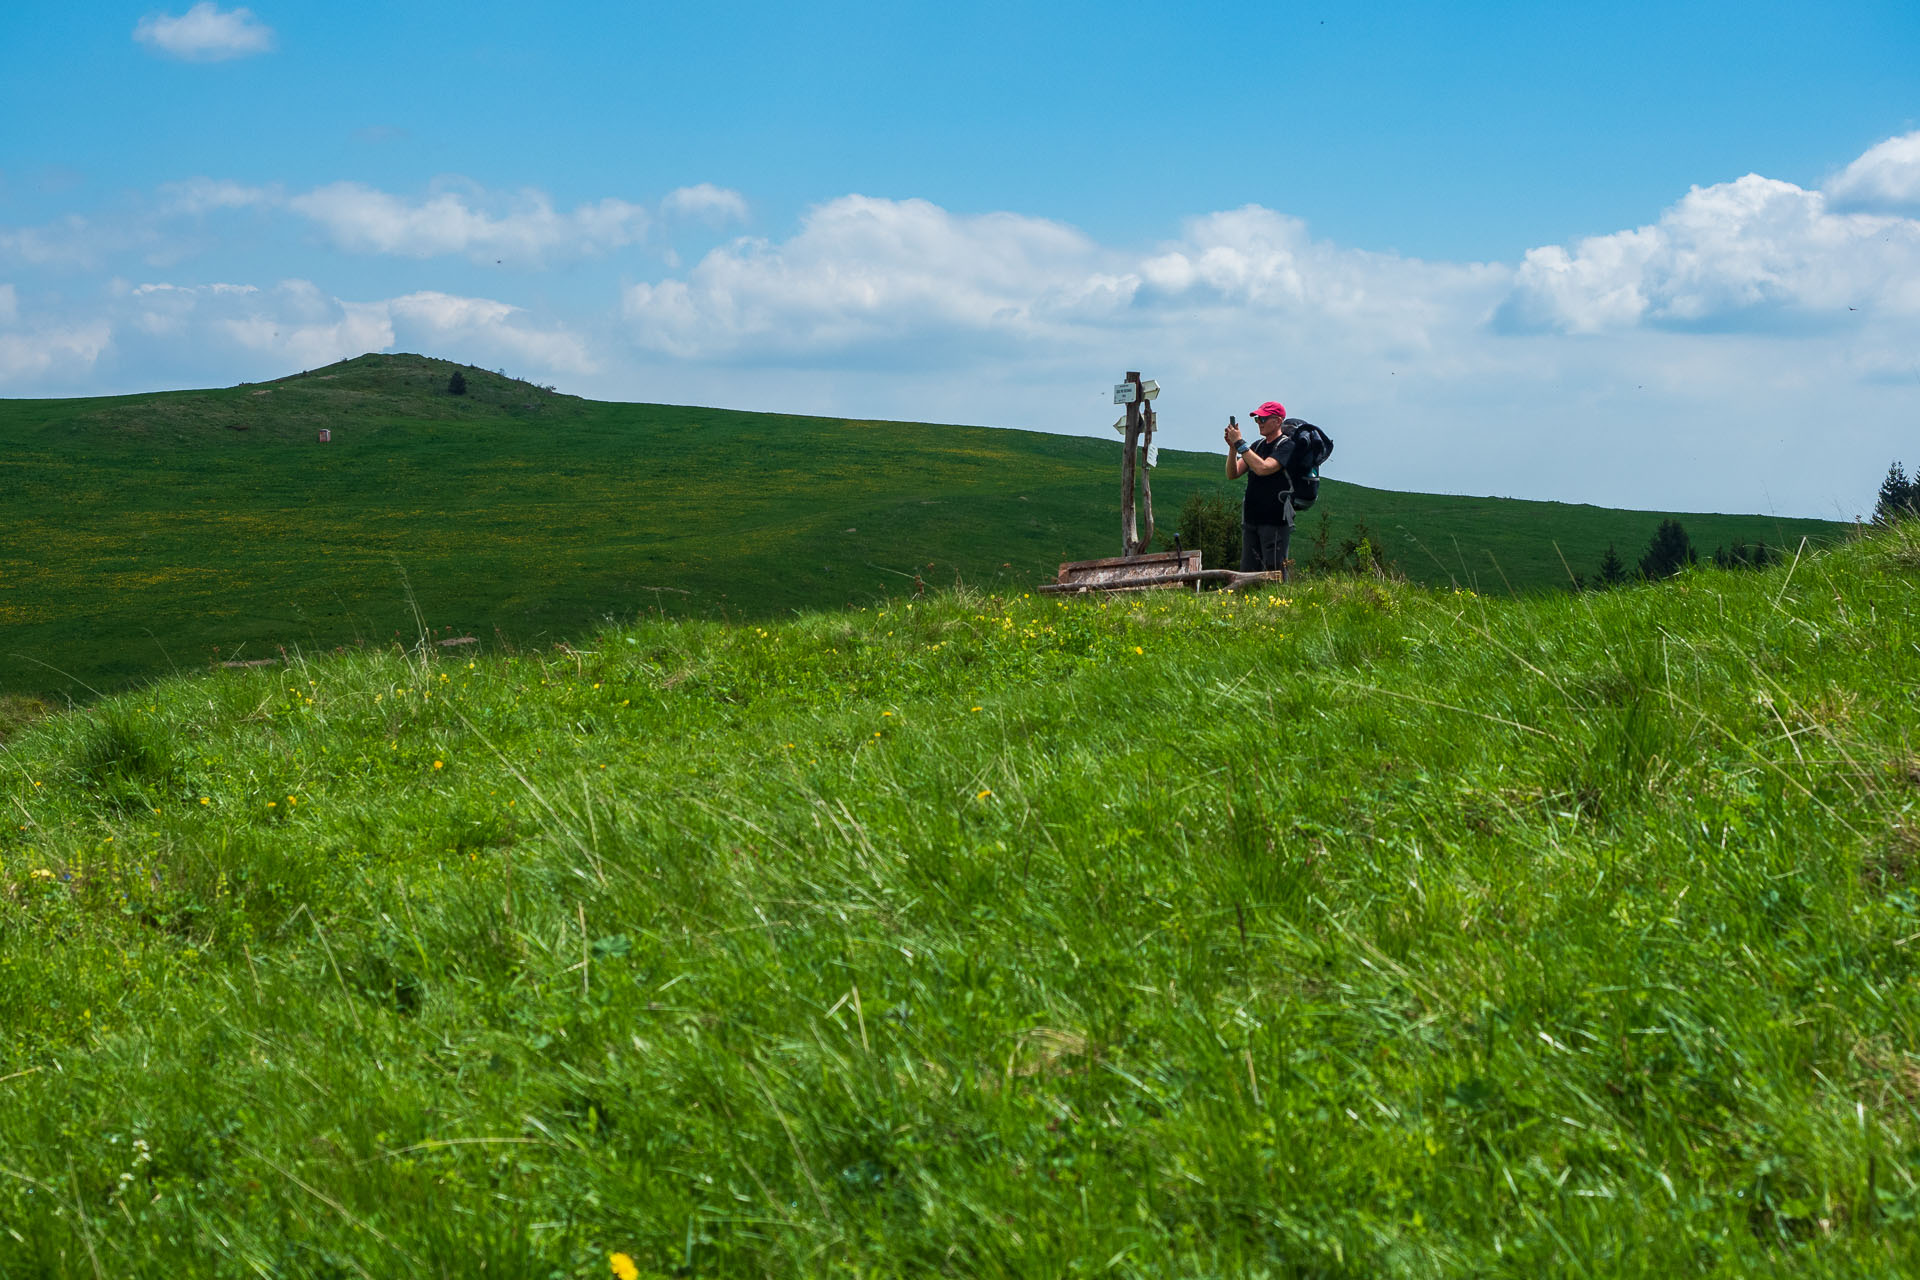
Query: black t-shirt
x=1266 y=500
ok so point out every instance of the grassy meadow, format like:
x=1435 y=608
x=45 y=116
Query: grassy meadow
x=167 y=532
x=1355 y=928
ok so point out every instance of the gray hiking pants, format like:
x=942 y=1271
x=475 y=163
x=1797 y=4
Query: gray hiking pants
x=1263 y=547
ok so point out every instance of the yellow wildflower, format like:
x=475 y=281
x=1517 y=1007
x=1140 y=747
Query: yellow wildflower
x=623 y=1266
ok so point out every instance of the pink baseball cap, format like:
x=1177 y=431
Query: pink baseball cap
x=1271 y=409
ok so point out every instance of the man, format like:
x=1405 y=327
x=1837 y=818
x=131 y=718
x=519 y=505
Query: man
x=1266 y=513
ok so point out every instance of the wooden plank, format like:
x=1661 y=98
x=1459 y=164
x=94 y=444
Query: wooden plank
x=1149 y=557
x=1124 y=572
x=1232 y=579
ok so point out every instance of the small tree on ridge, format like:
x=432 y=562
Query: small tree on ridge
x=1613 y=570
x=1899 y=496
x=1668 y=552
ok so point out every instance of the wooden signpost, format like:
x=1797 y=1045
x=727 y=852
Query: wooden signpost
x=1138 y=396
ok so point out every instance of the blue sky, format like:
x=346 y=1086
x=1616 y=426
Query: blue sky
x=1629 y=254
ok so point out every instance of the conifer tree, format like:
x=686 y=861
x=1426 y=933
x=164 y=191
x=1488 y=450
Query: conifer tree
x=1899 y=496
x=1613 y=570
x=457 y=384
x=1668 y=552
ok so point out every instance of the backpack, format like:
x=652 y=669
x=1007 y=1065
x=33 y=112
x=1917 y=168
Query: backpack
x=1311 y=447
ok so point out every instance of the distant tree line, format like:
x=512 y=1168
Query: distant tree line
x=1669 y=551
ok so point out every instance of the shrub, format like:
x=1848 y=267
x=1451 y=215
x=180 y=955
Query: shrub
x=1359 y=552
x=1210 y=524
x=457 y=384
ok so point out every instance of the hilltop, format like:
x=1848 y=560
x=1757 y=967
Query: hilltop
x=174 y=530
x=374 y=391
x=1352 y=929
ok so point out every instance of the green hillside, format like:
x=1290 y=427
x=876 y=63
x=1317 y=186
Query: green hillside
x=166 y=532
x=1351 y=929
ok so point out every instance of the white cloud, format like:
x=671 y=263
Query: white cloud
x=203 y=195
x=164 y=310
x=449 y=313
x=864 y=271
x=297 y=325
x=295 y=322
x=707 y=203
x=445 y=323
x=1753 y=251
x=205 y=33
x=523 y=229
x=54 y=352
x=70 y=243
x=1886 y=177
x=362 y=219
x=866 y=275
x=1255 y=260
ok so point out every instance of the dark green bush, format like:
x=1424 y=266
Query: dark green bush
x=1210 y=524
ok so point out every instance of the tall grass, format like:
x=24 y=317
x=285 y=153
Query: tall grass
x=1363 y=929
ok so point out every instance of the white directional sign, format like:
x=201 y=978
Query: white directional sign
x=1151 y=389
x=1123 y=393
x=1120 y=425
x=1153 y=455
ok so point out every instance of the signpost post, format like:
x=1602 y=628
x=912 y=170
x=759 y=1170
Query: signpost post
x=1138 y=396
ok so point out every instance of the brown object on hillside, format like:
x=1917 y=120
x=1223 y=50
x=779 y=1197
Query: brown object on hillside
x=1126 y=573
x=1159 y=569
